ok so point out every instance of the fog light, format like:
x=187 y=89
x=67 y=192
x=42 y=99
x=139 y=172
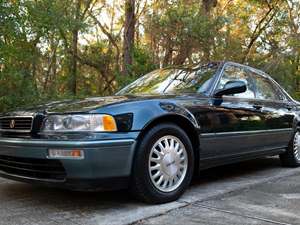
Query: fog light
x=65 y=154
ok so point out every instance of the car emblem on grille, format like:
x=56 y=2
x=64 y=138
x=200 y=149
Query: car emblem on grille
x=12 y=124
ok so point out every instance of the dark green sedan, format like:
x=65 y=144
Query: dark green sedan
x=154 y=134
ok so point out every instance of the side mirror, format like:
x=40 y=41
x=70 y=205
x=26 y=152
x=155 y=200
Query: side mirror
x=232 y=87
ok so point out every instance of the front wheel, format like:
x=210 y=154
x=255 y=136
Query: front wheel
x=291 y=158
x=163 y=164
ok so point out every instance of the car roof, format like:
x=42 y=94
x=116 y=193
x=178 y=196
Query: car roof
x=258 y=71
x=193 y=66
x=217 y=63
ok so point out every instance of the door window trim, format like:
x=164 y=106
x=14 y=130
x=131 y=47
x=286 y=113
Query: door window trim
x=221 y=75
x=259 y=73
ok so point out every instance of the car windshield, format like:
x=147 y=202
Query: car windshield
x=173 y=81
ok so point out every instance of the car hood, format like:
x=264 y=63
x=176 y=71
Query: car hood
x=78 y=105
x=82 y=105
x=87 y=104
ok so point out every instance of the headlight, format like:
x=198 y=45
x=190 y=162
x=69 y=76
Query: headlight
x=88 y=122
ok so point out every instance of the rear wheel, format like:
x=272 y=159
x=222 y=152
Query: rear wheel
x=163 y=164
x=291 y=158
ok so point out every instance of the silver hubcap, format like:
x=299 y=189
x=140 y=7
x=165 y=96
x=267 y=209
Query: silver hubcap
x=168 y=163
x=296 y=146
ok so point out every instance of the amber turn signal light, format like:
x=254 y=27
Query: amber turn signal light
x=109 y=123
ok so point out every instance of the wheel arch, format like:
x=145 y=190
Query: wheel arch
x=184 y=123
x=296 y=123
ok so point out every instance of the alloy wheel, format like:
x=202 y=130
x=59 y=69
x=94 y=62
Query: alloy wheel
x=296 y=146
x=168 y=163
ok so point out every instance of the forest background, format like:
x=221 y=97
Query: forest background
x=55 y=49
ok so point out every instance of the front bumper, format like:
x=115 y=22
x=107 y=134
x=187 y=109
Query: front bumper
x=106 y=165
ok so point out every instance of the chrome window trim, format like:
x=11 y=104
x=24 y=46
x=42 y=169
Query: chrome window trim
x=259 y=73
x=216 y=80
x=256 y=100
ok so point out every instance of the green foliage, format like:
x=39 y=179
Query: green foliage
x=142 y=61
x=183 y=29
x=37 y=43
x=142 y=64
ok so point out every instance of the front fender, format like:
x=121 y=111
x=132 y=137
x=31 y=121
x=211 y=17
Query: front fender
x=163 y=109
x=146 y=111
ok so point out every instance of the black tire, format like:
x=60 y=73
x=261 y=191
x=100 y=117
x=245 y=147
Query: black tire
x=141 y=184
x=291 y=158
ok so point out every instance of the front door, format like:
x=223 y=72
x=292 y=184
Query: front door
x=233 y=126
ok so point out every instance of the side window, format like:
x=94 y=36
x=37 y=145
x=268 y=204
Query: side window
x=234 y=73
x=265 y=88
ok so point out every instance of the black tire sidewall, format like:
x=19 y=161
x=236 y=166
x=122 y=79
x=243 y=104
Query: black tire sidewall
x=288 y=158
x=141 y=170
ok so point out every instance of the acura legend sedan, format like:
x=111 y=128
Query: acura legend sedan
x=154 y=134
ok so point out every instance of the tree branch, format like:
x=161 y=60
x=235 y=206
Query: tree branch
x=107 y=34
x=260 y=27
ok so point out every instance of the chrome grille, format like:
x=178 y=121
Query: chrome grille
x=16 y=124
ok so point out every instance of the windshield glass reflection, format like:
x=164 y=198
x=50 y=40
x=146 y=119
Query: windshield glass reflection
x=173 y=81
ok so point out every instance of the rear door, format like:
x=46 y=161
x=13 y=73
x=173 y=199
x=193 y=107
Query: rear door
x=275 y=110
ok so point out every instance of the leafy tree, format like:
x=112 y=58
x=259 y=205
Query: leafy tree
x=53 y=49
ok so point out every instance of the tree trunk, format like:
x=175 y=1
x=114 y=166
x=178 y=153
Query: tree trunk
x=260 y=27
x=73 y=82
x=168 y=54
x=129 y=31
x=207 y=6
x=75 y=32
x=183 y=54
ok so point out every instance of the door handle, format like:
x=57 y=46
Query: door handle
x=258 y=107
